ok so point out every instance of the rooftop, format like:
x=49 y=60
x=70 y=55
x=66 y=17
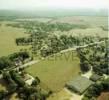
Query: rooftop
x=79 y=84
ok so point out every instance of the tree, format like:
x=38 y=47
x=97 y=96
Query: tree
x=5 y=62
x=85 y=66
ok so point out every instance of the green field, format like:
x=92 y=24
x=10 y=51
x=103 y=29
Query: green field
x=7 y=39
x=57 y=70
x=93 y=23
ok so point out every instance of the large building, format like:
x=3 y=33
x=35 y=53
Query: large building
x=79 y=84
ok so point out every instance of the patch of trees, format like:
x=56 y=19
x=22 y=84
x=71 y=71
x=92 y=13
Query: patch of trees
x=84 y=63
x=55 y=44
x=101 y=68
x=12 y=86
x=17 y=78
x=3 y=94
x=97 y=57
x=100 y=61
x=25 y=92
x=23 y=41
x=11 y=83
x=6 y=62
x=48 y=27
x=22 y=55
x=95 y=90
x=38 y=39
x=85 y=66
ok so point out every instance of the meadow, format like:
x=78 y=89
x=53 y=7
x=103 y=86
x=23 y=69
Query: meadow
x=7 y=39
x=56 y=70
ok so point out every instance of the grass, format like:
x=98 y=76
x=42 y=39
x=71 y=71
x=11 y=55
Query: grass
x=55 y=71
x=62 y=95
x=7 y=39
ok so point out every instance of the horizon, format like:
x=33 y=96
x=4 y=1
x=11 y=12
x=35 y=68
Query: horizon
x=53 y=4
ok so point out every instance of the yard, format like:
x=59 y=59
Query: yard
x=55 y=71
x=7 y=39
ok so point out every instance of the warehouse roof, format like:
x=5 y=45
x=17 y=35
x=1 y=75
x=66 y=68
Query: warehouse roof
x=79 y=84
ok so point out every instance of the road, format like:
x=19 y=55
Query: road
x=84 y=46
x=27 y=64
x=63 y=51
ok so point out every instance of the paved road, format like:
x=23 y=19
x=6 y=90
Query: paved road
x=84 y=46
x=63 y=51
x=27 y=64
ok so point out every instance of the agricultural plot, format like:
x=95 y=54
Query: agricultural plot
x=7 y=39
x=93 y=21
x=95 y=25
x=55 y=71
x=35 y=19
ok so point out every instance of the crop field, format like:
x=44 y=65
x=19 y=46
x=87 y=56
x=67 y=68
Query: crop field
x=84 y=20
x=7 y=39
x=93 y=23
x=55 y=71
x=35 y=19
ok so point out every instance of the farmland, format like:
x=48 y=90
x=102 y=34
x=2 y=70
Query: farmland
x=56 y=71
x=7 y=39
x=60 y=49
x=94 y=24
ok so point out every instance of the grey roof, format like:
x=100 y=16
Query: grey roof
x=95 y=77
x=79 y=84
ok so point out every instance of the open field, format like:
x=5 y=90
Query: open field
x=96 y=31
x=65 y=94
x=92 y=21
x=94 y=24
x=7 y=39
x=57 y=70
x=62 y=95
x=35 y=19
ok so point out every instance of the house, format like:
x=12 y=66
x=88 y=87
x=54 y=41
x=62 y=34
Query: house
x=79 y=84
x=95 y=77
x=17 y=62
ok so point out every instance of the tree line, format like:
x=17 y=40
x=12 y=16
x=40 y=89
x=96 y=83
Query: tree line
x=25 y=91
x=8 y=61
x=96 y=89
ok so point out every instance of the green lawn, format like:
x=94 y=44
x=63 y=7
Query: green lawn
x=56 y=71
x=7 y=39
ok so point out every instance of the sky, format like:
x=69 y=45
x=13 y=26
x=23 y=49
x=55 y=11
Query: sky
x=51 y=4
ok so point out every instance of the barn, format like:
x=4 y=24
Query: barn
x=79 y=84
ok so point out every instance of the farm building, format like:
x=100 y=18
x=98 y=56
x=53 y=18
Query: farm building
x=95 y=77
x=79 y=84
